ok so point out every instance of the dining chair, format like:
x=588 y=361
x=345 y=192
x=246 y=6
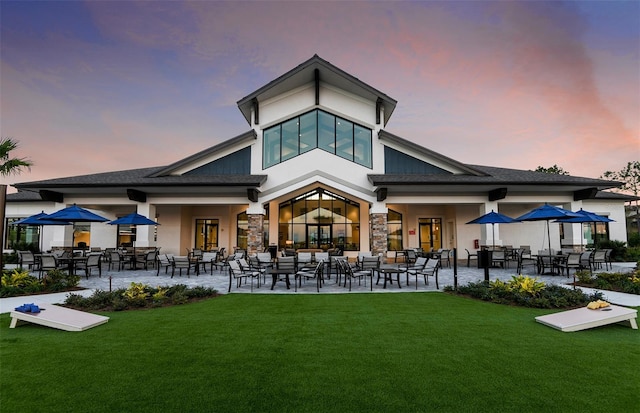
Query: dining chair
x=26 y=258
x=309 y=275
x=236 y=272
x=525 y=259
x=351 y=273
x=94 y=260
x=149 y=259
x=49 y=262
x=573 y=260
x=181 y=263
x=416 y=269
x=470 y=256
x=430 y=270
x=115 y=258
x=163 y=261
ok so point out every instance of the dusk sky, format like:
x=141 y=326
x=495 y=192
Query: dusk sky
x=98 y=86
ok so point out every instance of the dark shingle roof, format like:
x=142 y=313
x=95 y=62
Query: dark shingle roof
x=145 y=177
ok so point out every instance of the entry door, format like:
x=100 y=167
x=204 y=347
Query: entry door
x=425 y=237
x=318 y=236
x=430 y=233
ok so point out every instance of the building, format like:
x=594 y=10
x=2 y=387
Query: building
x=317 y=169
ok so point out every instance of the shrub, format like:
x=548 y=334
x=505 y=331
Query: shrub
x=139 y=296
x=58 y=280
x=633 y=239
x=19 y=282
x=527 y=292
x=618 y=249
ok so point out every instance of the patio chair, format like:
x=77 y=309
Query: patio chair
x=445 y=256
x=599 y=258
x=149 y=259
x=304 y=259
x=49 y=262
x=607 y=257
x=586 y=260
x=208 y=258
x=308 y=275
x=573 y=261
x=410 y=256
x=26 y=259
x=525 y=259
x=470 y=256
x=351 y=273
x=238 y=273
x=115 y=258
x=181 y=263
x=499 y=257
x=333 y=264
x=324 y=257
x=163 y=261
x=416 y=269
x=430 y=270
x=94 y=260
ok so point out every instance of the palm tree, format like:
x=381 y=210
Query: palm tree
x=8 y=166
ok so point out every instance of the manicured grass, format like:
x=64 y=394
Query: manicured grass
x=330 y=353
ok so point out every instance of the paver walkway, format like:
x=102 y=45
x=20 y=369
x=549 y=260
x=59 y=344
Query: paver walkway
x=219 y=280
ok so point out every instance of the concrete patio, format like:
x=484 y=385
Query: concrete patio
x=113 y=279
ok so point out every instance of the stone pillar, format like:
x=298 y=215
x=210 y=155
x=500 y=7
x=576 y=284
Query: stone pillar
x=255 y=234
x=378 y=233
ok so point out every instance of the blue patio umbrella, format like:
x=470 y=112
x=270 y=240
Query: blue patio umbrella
x=75 y=213
x=492 y=218
x=585 y=217
x=547 y=212
x=39 y=219
x=133 y=219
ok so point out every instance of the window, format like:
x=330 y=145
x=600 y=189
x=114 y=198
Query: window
x=21 y=237
x=319 y=219
x=317 y=129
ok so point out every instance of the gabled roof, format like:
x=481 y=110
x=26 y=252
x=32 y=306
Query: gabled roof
x=495 y=176
x=386 y=136
x=304 y=74
x=229 y=143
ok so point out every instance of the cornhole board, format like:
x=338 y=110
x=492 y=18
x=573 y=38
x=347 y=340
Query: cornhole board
x=59 y=317
x=584 y=318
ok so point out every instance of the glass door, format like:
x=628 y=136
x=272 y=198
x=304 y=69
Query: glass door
x=430 y=233
x=318 y=236
x=206 y=234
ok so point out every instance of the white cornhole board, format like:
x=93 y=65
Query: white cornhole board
x=59 y=317
x=583 y=318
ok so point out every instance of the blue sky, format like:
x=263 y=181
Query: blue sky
x=89 y=87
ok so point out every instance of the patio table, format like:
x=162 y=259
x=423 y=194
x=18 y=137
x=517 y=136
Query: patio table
x=275 y=272
x=387 y=271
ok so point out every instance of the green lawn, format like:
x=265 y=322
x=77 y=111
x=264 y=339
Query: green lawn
x=407 y=352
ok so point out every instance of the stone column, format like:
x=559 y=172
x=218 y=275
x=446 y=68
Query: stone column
x=256 y=233
x=378 y=233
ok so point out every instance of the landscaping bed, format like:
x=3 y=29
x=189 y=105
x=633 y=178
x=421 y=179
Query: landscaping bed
x=526 y=292
x=139 y=296
x=617 y=281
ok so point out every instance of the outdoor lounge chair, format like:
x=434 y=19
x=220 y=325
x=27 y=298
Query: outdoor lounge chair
x=149 y=259
x=524 y=259
x=430 y=270
x=573 y=260
x=351 y=273
x=26 y=259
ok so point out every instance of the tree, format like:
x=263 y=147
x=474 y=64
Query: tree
x=8 y=166
x=555 y=169
x=630 y=177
